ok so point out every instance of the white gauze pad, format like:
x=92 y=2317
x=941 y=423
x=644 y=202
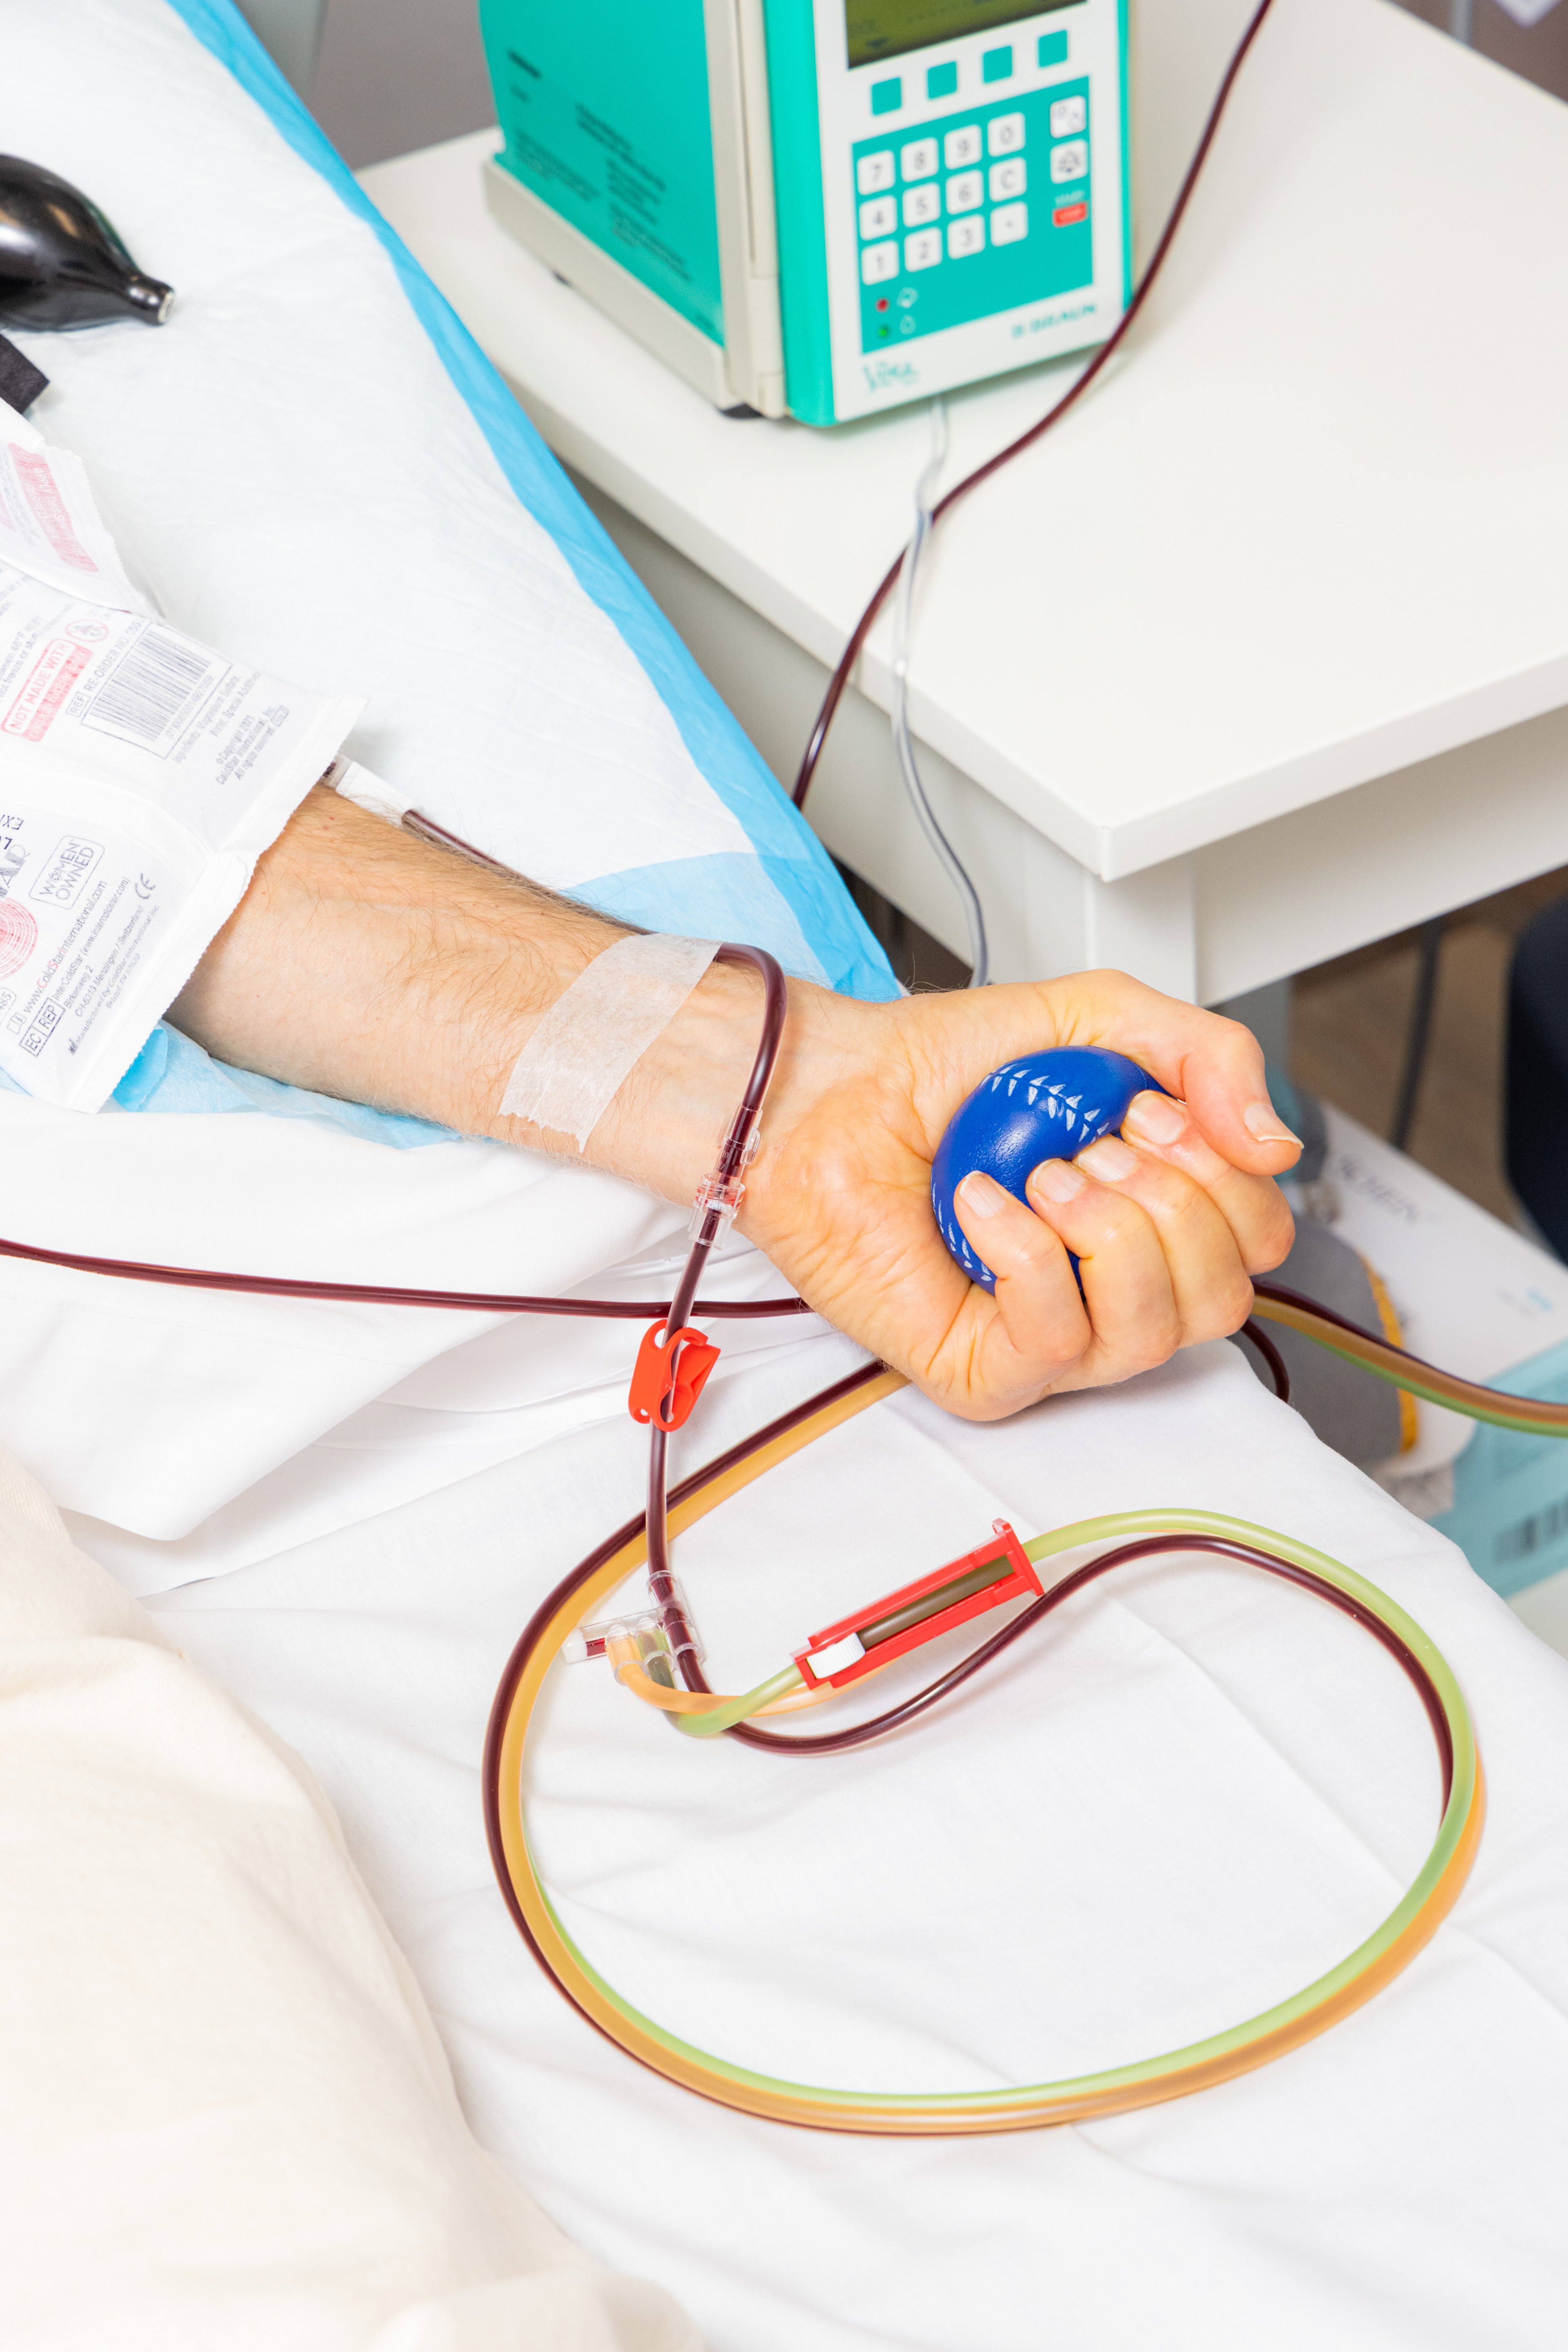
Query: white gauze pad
x=582 y=1051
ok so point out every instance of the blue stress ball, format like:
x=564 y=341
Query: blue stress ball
x=1050 y=1106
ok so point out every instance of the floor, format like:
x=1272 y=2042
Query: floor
x=1350 y=1025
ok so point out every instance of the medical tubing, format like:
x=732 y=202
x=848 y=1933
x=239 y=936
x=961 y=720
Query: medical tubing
x=1256 y=1337
x=1531 y=1415
x=1171 y=2073
x=734 y=1153
x=373 y=1294
x=1102 y=359
x=893 y=1718
x=841 y=1398
x=903 y=741
x=1536 y=1416
x=676 y=1310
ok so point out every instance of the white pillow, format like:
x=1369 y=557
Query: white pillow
x=226 y=2120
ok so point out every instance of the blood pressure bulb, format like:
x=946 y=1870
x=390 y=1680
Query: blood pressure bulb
x=1049 y=1106
x=61 y=263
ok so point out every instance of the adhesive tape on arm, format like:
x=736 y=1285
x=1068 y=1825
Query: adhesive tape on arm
x=569 y=1072
x=355 y=783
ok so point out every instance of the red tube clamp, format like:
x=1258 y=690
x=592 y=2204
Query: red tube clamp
x=663 y=1392
x=885 y=1629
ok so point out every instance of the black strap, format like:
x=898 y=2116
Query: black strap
x=20 y=380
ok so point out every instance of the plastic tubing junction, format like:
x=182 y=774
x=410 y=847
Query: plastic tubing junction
x=1167 y=2074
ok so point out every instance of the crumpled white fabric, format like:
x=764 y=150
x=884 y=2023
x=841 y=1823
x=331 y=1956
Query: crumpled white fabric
x=226 y=2119
x=1172 y=1803
x=307 y=488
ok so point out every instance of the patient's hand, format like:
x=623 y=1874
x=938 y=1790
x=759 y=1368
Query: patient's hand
x=1168 y=1224
x=366 y=965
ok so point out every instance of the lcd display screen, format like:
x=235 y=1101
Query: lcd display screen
x=886 y=29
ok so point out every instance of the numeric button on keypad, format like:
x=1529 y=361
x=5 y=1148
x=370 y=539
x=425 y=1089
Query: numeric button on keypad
x=965 y=236
x=924 y=249
x=961 y=147
x=1009 y=225
x=966 y=192
x=921 y=204
x=1071 y=161
x=1004 y=135
x=875 y=173
x=1008 y=179
x=879 y=261
x=880 y=217
x=918 y=160
x=1067 y=115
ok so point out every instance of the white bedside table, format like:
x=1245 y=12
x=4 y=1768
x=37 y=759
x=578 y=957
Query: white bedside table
x=1262 y=655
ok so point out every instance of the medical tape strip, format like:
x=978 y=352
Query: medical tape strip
x=355 y=783
x=572 y=1066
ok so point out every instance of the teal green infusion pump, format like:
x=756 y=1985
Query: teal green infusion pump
x=822 y=209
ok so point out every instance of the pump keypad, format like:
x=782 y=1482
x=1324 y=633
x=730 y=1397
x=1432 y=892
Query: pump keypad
x=970 y=237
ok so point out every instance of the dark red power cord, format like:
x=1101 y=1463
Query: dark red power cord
x=1096 y=367
x=735 y=1151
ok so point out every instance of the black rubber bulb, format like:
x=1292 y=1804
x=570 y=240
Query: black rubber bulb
x=61 y=263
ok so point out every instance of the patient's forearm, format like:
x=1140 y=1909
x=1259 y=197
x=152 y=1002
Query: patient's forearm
x=369 y=964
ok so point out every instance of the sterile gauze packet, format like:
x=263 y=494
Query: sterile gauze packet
x=142 y=775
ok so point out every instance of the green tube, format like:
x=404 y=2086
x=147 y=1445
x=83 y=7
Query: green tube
x=1495 y=1412
x=719 y=1718
x=1145 y=2075
x=931 y=1604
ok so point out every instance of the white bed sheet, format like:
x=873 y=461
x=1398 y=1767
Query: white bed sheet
x=1174 y=1804
x=308 y=489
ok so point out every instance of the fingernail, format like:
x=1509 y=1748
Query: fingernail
x=982 y=1196
x=1109 y=1161
x=1155 y=1118
x=1263 y=1123
x=1059 y=1180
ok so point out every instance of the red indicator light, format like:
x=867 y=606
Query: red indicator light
x=882 y=301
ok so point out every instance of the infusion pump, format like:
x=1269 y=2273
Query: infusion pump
x=823 y=208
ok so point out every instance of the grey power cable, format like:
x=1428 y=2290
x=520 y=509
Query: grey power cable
x=903 y=742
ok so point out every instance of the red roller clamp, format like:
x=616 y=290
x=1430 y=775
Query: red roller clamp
x=882 y=1629
x=669 y=1374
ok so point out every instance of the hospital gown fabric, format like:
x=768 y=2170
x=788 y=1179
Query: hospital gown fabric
x=1176 y=1803
x=226 y=2119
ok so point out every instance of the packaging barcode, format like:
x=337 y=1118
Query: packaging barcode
x=1533 y=1534
x=151 y=687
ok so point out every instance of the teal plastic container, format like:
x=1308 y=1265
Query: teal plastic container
x=1509 y=1515
x=604 y=108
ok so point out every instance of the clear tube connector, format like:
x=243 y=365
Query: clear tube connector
x=682 y=1635
x=654 y=1631
x=717 y=1197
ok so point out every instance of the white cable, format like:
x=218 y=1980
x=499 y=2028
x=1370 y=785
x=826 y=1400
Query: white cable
x=924 y=499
